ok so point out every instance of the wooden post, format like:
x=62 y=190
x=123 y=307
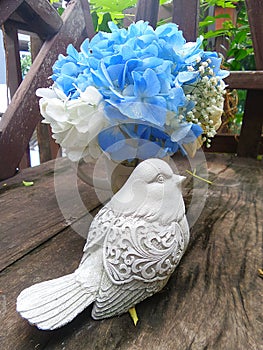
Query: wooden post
x=48 y=149
x=13 y=65
x=22 y=115
x=147 y=10
x=13 y=70
x=186 y=15
x=251 y=130
x=8 y=7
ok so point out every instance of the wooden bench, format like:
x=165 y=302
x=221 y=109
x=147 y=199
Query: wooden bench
x=213 y=301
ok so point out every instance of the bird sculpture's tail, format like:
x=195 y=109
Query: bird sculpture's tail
x=52 y=304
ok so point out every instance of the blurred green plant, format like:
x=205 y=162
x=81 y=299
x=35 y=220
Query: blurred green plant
x=60 y=9
x=25 y=64
x=104 y=11
x=239 y=52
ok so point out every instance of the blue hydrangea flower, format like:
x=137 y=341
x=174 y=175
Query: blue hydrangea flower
x=145 y=77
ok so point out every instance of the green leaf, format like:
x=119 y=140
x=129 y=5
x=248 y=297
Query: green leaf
x=215 y=33
x=207 y=21
x=60 y=11
x=133 y=314
x=112 y=6
x=28 y=183
x=95 y=20
x=242 y=53
x=164 y=2
x=104 y=27
x=240 y=37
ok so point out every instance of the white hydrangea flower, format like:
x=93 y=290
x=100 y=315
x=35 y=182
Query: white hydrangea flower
x=75 y=123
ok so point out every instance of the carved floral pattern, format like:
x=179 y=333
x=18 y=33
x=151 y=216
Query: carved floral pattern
x=138 y=250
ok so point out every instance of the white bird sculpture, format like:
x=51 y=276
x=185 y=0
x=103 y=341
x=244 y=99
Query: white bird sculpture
x=134 y=244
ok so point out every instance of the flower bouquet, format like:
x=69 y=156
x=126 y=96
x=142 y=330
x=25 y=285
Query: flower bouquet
x=134 y=93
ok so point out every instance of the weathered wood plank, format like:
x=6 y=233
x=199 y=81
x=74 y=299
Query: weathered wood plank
x=252 y=119
x=8 y=7
x=147 y=11
x=13 y=70
x=250 y=135
x=22 y=115
x=31 y=215
x=186 y=15
x=13 y=65
x=212 y=302
x=255 y=11
x=48 y=149
x=245 y=80
x=43 y=18
x=226 y=143
x=65 y=251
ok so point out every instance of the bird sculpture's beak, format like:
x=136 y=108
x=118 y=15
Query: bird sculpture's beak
x=178 y=179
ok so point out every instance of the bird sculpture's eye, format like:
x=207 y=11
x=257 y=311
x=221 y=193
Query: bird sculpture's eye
x=160 y=179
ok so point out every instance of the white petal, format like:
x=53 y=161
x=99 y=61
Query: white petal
x=91 y=95
x=55 y=109
x=59 y=93
x=46 y=93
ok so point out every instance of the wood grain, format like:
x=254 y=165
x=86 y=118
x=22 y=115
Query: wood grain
x=186 y=15
x=32 y=215
x=147 y=11
x=251 y=130
x=8 y=7
x=212 y=302
x=245 y=80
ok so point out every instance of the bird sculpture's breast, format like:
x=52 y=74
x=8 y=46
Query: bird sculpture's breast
x=135 y=249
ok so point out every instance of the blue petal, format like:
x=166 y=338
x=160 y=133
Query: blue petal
x=101 y=77
x=115 y=72
x=147 y=85
x=171 y=147
x=152 y=110
x=69 y=68
x=111 y=137
x=113 y=114
x=187 y=77
x=71 y=51
x=112 y=141
x=176 y=99
x=180 y=133
x=65 y=83
x=186 y=133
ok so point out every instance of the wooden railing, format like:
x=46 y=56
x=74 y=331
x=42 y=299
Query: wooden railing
x=22 y=115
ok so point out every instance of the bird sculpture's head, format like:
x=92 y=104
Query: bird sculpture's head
x=152 y=191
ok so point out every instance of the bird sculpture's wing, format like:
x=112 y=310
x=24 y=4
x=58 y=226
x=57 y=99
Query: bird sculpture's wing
x=139 y=257
x=98 y=230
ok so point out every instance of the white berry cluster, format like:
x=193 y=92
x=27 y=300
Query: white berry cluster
x=208 y=95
